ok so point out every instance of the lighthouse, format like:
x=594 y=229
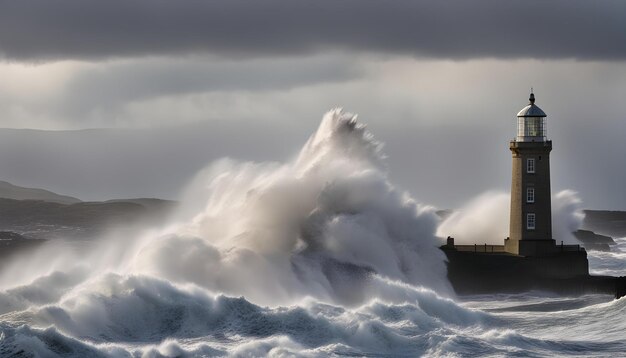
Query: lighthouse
x=530 y=227
x=530 y=259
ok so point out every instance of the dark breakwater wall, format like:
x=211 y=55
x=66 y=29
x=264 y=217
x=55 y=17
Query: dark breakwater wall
x=562 y=273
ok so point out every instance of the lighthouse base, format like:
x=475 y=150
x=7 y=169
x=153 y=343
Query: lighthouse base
x=535 y=248
x=493 y=271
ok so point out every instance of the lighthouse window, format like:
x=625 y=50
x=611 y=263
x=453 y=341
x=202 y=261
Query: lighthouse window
x=530 y=195
x=530 y=165
x=532 y=127
x=530 y=221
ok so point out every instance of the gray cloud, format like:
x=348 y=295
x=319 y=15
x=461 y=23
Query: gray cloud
x=114 y=85
x=79 y=94
x=41 y=30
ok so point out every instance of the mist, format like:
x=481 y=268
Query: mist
x=485 y=219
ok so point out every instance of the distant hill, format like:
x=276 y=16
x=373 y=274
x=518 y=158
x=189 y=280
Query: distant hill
x=49 y=220
x=148 y=203
x=10 y=191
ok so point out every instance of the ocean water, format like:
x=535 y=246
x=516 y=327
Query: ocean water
x=321 y=256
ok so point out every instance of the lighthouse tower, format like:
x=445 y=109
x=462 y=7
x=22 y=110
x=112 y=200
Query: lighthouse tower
x=530 y=230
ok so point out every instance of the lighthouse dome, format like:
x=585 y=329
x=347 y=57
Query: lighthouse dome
x=531 y=111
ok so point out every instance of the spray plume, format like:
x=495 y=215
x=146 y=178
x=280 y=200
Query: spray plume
x=485 y=219
x=327 y=225
x=322 y=226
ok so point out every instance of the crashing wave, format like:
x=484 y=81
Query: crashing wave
x=322 y=226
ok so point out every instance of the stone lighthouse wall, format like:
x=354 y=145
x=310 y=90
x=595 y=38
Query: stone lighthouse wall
x=524 y=241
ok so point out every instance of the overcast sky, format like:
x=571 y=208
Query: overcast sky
x=178 y=84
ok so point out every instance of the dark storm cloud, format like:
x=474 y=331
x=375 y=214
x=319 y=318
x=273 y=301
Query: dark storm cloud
x=40 y=30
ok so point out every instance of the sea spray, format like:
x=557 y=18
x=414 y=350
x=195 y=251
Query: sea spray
x=323 y=226
x=327 y=225
x=485 y=219
x=567 y=216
